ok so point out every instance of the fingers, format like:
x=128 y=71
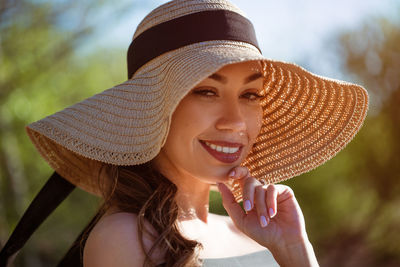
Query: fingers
x=255 y=195
x=266 y=203
x=247 y=183
x=231 y=206
x=239 y=172
x=271 y=196
x=248 y=190
x=261 y=206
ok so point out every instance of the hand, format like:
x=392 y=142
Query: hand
x=273 y=217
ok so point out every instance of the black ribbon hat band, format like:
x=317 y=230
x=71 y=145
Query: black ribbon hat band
x=186 y=30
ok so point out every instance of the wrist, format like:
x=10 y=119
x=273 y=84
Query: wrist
x=297 y=254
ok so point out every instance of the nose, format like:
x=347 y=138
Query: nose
x=231 y=118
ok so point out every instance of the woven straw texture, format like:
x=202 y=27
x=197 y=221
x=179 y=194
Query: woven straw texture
x=308 y=119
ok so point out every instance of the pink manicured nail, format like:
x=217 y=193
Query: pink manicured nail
x=232 y=173
x=247 y=205
x=263 y=221
x=271 y=212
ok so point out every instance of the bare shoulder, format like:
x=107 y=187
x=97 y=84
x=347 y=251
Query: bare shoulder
x=114 y=241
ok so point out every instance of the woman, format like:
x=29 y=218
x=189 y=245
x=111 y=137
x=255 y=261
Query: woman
x=202 y=106
x=224 y=111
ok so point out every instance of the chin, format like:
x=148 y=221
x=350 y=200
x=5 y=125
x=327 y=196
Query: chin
x=220 y=175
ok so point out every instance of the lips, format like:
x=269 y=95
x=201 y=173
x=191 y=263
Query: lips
x=225 y=157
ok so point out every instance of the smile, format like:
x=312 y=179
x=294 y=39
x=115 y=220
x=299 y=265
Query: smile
x=223 y=151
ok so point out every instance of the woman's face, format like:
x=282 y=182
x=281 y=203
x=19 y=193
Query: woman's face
x=215 y=125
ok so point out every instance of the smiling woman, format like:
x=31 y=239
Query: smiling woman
x=201 y=106
x=215 y=125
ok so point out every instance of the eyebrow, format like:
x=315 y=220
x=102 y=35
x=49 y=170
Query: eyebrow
x=253 y=77
x=222 y=79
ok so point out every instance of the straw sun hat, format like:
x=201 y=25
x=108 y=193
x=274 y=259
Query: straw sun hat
x=307 y=120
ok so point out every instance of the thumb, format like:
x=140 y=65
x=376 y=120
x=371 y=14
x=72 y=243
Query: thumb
x=233 y=208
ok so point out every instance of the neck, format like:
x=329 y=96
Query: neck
x=192 y=195
x=192 y=199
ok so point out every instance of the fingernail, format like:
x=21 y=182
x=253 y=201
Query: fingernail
x=247 y=205
x=232 y=173
x=271 y=212
x=263 y=221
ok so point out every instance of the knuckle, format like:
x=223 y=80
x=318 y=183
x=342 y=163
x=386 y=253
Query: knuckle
x=244 y=171
x=271 y=188
x=248 y=181
x=289 y=191
x=259 y=189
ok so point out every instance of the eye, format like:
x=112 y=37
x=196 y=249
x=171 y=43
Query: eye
x=205 y=92
x=252 y=96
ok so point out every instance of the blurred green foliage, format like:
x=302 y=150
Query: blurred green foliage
x=350 y=203
x=41 y=72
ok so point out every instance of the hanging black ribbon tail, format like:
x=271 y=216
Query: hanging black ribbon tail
x=74 y=256
x=46 y=201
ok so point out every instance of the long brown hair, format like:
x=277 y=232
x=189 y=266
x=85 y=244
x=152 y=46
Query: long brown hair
x=144 y=191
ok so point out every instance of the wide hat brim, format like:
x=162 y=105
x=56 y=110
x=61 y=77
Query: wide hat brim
x=307 y=119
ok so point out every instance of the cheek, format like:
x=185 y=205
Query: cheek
x=187 y=123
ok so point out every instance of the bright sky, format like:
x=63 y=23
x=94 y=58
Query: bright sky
x=288 y=30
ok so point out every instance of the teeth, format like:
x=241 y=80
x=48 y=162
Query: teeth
x=223 y=149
